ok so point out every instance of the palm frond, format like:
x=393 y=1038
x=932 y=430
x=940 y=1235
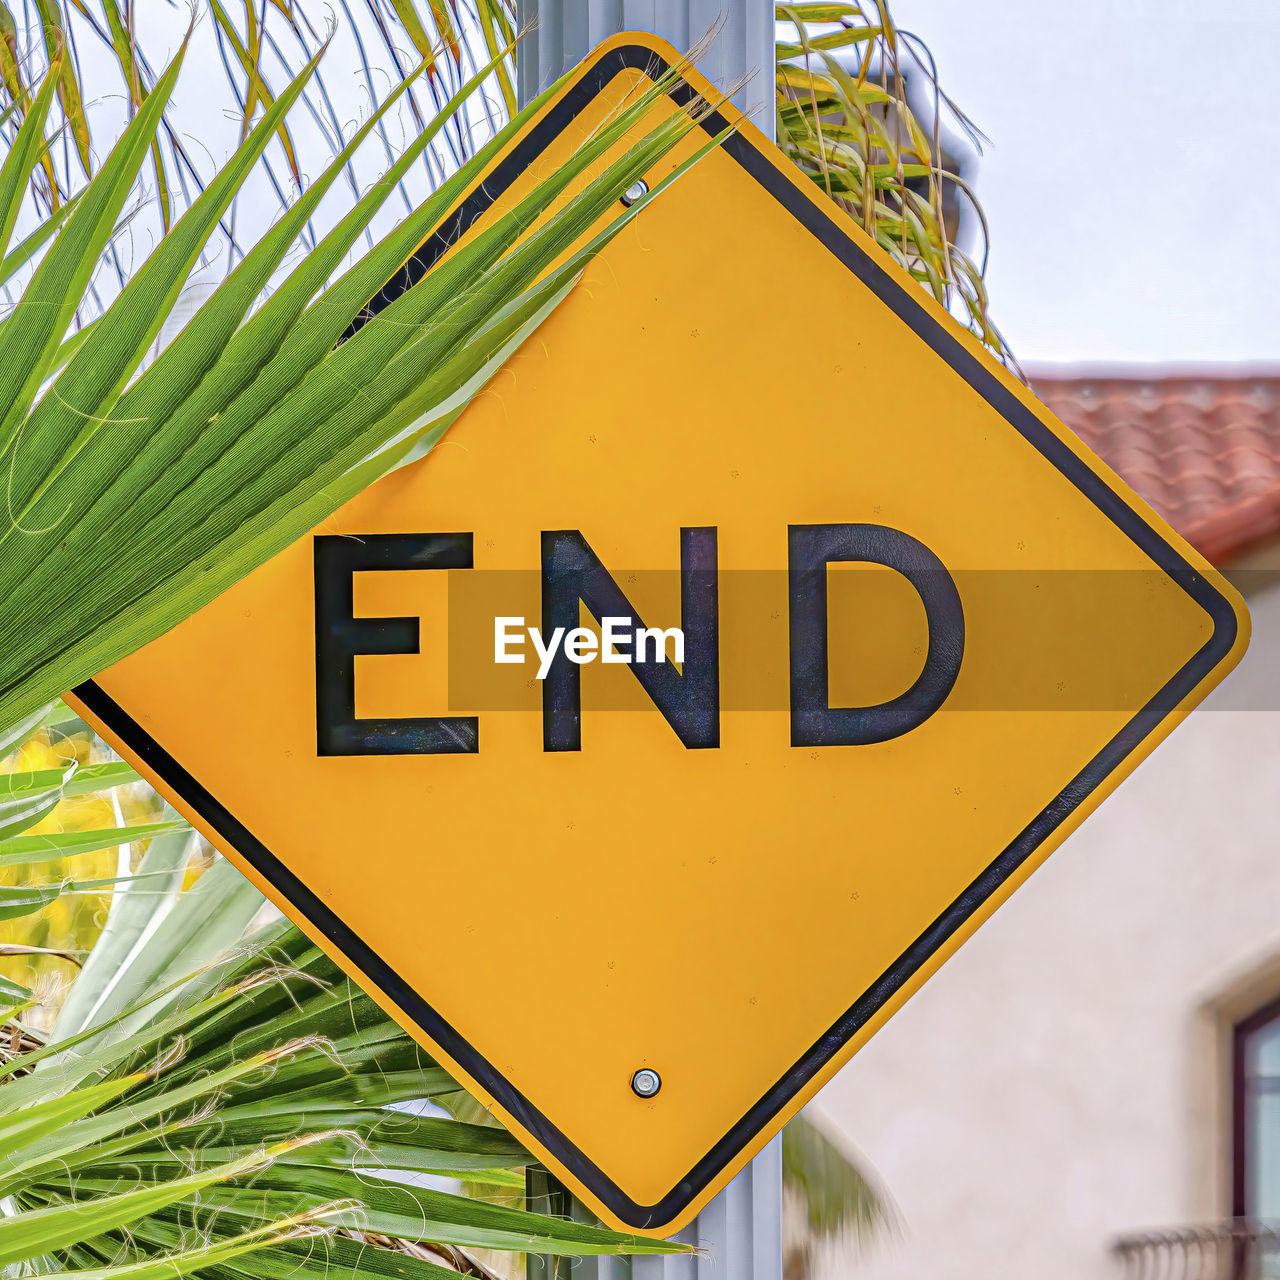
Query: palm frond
x=69 y=820
x=847 y=119
x=227 y=1111
x=845 y=115
x=139 y=496
x=201 y=1100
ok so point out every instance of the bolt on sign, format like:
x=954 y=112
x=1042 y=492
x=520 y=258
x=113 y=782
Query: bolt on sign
x=746 y=643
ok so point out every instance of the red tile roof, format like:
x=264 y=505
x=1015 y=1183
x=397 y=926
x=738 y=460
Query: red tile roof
x=1202 y=447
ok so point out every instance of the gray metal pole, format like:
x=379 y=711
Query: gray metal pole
x=560 y=33
x=738 y=1236
x=739 y=1233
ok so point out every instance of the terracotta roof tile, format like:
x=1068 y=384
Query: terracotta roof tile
x=1202 y=447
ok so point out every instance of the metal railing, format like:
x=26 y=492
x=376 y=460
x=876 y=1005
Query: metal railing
x=1234 y=1250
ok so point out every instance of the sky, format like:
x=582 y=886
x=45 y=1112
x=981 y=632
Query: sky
x=1132 y=182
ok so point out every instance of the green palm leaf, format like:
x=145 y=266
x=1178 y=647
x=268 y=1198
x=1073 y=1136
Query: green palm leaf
x=843 y=110
x=139 y=498
x=233 y=1111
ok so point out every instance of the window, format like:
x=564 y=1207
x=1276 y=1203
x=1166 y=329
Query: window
x=1256 y=1116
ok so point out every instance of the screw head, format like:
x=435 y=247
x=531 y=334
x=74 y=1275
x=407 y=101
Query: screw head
x=646 y=1082
x=634 y=192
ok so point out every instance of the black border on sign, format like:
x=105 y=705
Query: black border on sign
x=906 y=306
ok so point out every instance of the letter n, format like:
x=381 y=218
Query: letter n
x=689 y=699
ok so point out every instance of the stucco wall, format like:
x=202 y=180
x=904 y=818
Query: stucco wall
x=1062 y=1080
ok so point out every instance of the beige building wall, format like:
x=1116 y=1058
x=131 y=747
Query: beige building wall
x=1065 y=1079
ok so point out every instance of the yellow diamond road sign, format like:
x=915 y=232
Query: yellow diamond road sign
x=913 y=632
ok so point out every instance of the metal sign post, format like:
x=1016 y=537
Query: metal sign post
x=737 y=35
x=739 y=1234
